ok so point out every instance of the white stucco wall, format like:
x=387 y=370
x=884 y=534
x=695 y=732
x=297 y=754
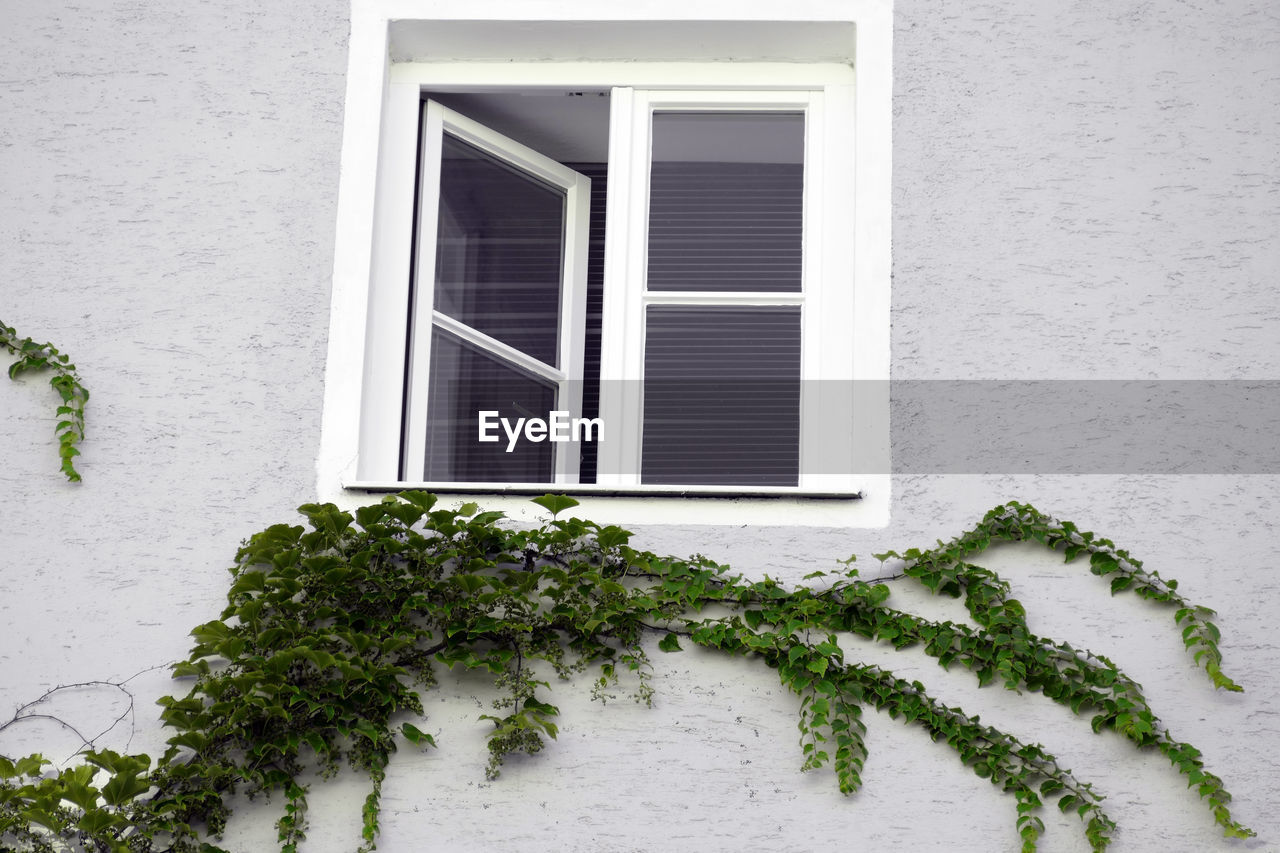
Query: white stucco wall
x=1081 y=191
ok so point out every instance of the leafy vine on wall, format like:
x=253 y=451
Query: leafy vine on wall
x=334 y=629
x=34 y=357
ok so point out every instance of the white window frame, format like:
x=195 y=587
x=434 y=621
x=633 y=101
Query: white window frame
x=376 y=206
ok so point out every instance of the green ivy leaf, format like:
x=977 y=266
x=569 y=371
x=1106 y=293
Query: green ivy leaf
x=555 y=504
x=612 y=537
x=416 y=736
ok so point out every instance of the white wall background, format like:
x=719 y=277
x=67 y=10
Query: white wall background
x=1082 y=190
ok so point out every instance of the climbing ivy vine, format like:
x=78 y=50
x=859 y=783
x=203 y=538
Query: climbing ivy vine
x=34 y=357
x=334 y=629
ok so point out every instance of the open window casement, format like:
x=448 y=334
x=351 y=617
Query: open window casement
x=499 y=304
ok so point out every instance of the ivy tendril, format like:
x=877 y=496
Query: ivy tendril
x=32 y=357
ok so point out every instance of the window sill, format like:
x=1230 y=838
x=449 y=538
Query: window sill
x=608 y=491
x=725 y=506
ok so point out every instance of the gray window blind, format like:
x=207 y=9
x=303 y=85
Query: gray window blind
x=726 y=194
x=599 y=175
x=722 y=382
x=722 y=396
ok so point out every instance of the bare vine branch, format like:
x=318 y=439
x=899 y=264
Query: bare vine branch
x=22 y=713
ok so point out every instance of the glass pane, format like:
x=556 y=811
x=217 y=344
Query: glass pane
x=498 y=250
x=722 y=396
x=465 y=382
x=725 y=201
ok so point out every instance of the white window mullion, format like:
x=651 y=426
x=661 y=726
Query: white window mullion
x=622 y=330
x=700 y=297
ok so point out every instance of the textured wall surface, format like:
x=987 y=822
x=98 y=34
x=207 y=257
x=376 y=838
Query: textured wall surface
x=168 y=174
x=1082 y=190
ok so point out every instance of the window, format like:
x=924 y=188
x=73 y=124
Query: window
x=695 y=362
x=663 y=260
